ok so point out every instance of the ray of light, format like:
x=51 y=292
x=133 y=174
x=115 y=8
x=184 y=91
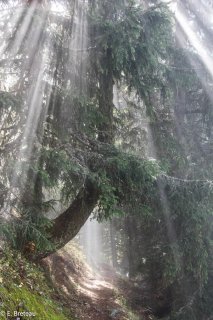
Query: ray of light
x=34 y=37
x=202 y=8
x=28 y=37
x=36 y=109
x=91 y=241
x=29 y=140
x=13 y=16
x=195 y=41
x=40 y=88
x=78 y=45
x=22 y=23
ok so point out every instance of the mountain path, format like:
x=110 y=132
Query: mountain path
x=89 y=295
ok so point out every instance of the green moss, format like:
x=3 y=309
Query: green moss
x=24 y=288
x=23 y=299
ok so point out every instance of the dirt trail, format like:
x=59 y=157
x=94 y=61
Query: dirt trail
x=88 y=295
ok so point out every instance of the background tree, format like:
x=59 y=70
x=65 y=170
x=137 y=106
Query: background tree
x=77 y=158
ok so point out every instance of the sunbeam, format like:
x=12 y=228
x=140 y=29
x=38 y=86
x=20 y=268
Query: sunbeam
x=195 y=41
x=13 y=16
x=106 y=126
x=31 y=37
x=23 y=24
x=91 y=242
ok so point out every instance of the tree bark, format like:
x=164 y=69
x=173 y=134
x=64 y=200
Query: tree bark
x=113 y=245
x=68 y=224
x=129 y=245
x=106 y=105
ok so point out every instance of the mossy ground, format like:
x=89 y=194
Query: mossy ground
x=24 y=288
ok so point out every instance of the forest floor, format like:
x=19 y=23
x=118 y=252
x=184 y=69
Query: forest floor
x=100 y=295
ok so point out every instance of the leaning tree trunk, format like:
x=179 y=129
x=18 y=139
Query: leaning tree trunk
x=68 y=224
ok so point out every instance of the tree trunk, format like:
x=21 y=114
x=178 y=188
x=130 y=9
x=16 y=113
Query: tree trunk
x=113 y=245
x=67 y=225
x=130 y=249
x=106 y=106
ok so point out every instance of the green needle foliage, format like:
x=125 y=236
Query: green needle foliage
x=164 y=206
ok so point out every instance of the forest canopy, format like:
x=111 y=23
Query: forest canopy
x=106 y=110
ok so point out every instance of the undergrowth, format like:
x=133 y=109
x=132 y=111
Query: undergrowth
x=24 y=288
